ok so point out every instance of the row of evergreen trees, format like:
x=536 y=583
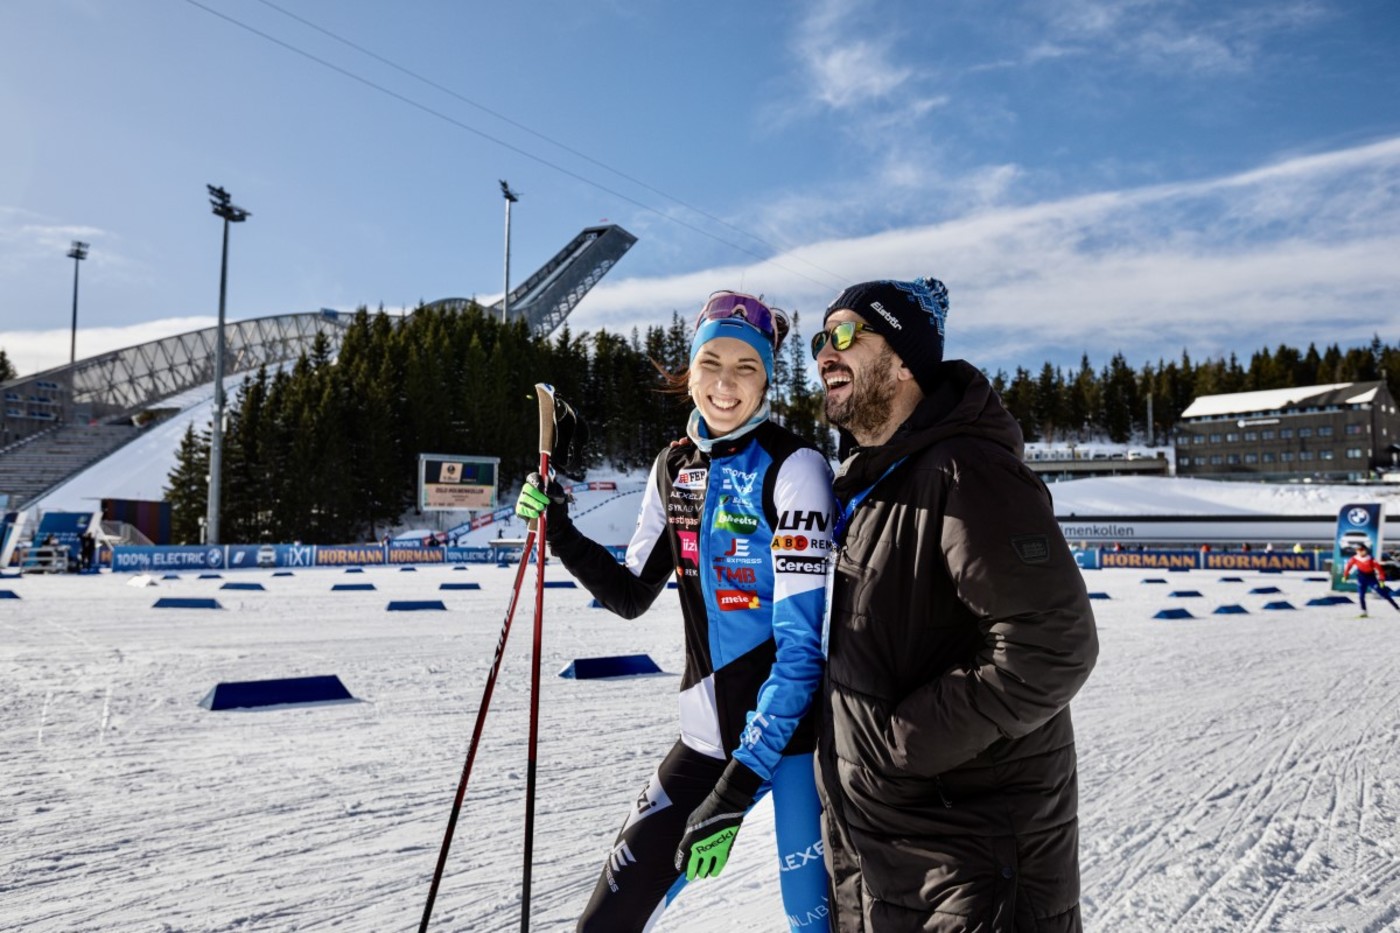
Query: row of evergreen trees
x=327 y=451
x=1079 y=405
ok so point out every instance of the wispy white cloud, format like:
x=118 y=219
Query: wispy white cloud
x=1176 y=36
x=26 y=236
x=846 y=70
x=1298 y=251
x=34 y=351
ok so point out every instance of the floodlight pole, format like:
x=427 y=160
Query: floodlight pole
x=231 y=213
x=511 y=197
x=78 y=253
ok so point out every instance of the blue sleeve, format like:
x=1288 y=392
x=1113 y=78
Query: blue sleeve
x=802 y=491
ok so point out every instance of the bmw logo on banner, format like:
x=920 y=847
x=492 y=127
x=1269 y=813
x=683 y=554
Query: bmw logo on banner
x=1358 y=523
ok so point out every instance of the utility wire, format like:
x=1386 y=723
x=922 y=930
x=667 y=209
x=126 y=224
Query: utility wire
x=509 y=146
x=537 y=134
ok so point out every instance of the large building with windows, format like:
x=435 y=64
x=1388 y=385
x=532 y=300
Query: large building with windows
x=1346 y=431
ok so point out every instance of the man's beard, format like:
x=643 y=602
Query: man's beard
x=866 y=407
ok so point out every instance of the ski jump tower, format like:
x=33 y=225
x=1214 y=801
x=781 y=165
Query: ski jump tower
x=111 y=387
x=545 y=299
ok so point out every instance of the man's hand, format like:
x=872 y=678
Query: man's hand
x=710 y=830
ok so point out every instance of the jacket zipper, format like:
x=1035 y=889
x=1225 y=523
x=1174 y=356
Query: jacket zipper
x=938 y=784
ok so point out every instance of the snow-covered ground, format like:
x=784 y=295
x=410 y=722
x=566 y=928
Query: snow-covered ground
x=1238 y=772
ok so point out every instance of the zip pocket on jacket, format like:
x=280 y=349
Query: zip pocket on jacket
x=938 y=785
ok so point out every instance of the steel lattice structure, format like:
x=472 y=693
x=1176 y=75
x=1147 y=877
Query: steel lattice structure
x=545 y=299
x=122 y=382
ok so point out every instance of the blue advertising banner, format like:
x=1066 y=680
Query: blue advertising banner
x=1197 y=560
x=131 y=559
x=1086 y=558
x=247 y=556
x=341 y=555
x=1259 y=560
x=64 y=529
x=470 y=555
x=1358 y=523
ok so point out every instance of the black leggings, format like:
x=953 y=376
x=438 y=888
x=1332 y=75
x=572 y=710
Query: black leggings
x=641 y=870
x=1368 y=581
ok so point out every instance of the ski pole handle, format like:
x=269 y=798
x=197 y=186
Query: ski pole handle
x=544 y=394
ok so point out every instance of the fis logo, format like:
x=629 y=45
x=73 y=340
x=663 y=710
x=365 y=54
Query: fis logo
x=739 y=481
x=691 y=479
x=731 y=600
x=690 y=546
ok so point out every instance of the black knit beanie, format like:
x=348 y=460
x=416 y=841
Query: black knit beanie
x=910 y=316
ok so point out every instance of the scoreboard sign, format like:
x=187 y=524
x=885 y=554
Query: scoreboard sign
x=448 y=483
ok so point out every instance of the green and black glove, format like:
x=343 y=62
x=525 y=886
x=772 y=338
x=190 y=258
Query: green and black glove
x=711 y=828
x=551 y=501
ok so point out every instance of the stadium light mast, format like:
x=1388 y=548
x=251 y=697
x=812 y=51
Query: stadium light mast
x=511 y=197
x=231 y=213
x=78 y=253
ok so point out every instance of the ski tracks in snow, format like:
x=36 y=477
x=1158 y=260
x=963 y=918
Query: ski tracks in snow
x=1255 y=787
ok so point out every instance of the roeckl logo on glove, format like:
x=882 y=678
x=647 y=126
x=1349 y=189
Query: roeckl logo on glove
x=719 y=840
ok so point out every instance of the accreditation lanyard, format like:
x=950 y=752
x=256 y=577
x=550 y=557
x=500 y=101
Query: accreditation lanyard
x=838 y=534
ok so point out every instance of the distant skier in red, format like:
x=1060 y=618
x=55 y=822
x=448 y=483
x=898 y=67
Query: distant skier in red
x=1369 y=575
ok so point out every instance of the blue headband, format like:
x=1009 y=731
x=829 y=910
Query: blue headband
x=739 y=330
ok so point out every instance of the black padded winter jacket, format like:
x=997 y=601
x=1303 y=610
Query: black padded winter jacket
x=960 y=629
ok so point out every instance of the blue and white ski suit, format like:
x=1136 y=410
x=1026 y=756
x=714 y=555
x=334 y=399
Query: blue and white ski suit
x=745 y=530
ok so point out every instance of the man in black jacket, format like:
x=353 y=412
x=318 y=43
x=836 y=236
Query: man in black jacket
x=959 y=629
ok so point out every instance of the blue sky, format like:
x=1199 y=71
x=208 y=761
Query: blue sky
x=1087 y=176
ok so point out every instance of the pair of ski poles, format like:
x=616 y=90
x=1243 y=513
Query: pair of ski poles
x=534 y=538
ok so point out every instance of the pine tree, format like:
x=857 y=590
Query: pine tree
x=188 y=488
x=7 y=369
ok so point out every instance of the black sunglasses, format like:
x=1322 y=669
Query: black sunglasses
x=841 y=336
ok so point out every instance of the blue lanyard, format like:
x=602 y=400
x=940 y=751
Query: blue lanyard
x=845 y=517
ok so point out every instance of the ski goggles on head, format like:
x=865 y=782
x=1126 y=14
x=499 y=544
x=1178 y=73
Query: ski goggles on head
x=841 y=336
x=723 y=306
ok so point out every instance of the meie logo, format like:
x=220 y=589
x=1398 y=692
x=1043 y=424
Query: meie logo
x=730 y=600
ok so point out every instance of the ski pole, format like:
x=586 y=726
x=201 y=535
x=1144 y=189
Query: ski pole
x=476 y=733
x=545 y=395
